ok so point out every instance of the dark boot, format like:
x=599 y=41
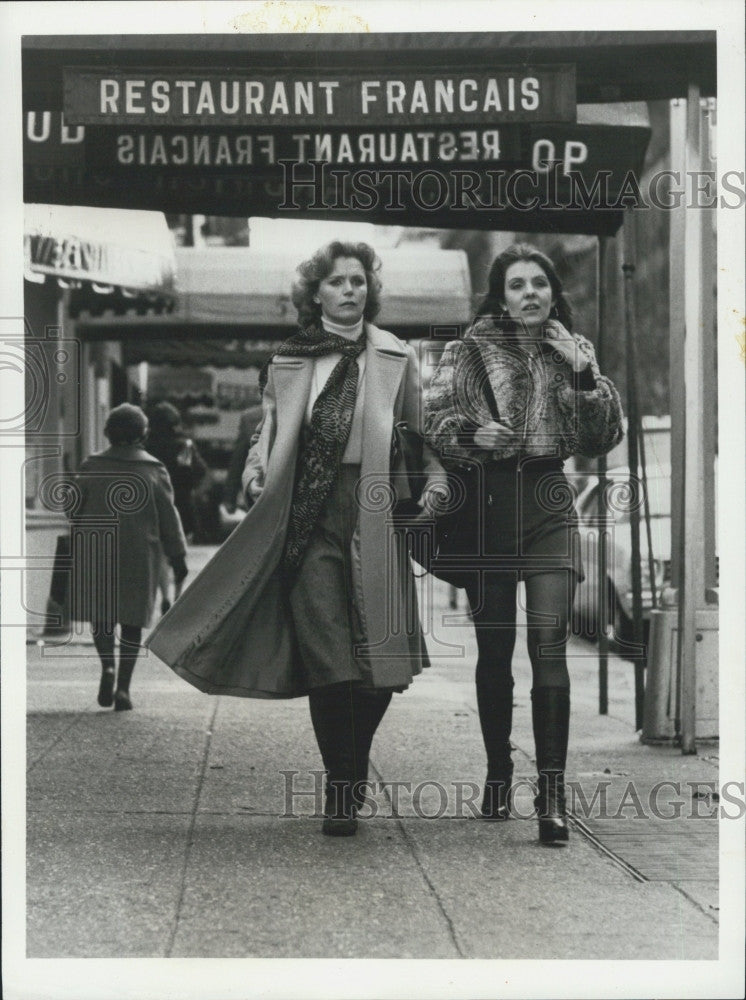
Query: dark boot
x=332 y=718
x=495 y=701
x=128 y=651
x=370 y=707
x=103 y=639
x=551 y=719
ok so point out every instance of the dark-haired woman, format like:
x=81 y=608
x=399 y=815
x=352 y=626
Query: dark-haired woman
x=519 y=394
x=124 y=519
x=312 y=593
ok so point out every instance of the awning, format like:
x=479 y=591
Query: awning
x=215 y=353
x=245 y=287
x=111 y=258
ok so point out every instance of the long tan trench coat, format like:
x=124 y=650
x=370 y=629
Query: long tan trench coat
x=231 y=631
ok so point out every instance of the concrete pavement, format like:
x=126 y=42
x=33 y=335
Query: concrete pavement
x=159 y=832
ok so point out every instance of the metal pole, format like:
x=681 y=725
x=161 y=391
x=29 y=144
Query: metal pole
x=633 y=417
x=648 y=526
x=602 y=599
x=691 y=585
x=677 y=382
x=709 y=362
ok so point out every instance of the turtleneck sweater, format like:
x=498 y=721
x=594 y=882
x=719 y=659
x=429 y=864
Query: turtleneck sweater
x=323 y=368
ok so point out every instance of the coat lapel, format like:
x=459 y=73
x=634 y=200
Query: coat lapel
x=384 y=367
x=385 y=364
x=292 y=377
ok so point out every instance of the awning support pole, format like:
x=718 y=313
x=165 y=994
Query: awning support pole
x=691 y=555
x=633 y=418
x=602 y=598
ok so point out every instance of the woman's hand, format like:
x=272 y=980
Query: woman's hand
x=563 y=341
x=254 y=489
x=493 y=435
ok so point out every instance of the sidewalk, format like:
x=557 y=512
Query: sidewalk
x=157 y=832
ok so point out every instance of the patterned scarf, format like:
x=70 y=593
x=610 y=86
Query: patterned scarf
x=324 y=440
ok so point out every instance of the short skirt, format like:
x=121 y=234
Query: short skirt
x=529 y=519
x=322 y=599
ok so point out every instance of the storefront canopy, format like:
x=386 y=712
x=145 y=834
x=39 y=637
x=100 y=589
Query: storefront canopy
x=240 y=291
x=105 y=255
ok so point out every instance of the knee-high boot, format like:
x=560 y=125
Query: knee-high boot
x=333 y=723
x=370 y=708
x=551 y=719
x=495 y=702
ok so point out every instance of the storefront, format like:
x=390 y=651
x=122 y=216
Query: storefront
x=78 y=259
x=510 y=131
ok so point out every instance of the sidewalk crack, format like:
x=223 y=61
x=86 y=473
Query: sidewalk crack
x=190 y=833
x=60 y=737
x=695 y=903
x=417 y=857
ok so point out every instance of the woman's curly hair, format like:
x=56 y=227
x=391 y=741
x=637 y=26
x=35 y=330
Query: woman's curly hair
x=313 y=271
x=493 y=303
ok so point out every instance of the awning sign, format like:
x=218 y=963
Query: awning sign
x=510 y=94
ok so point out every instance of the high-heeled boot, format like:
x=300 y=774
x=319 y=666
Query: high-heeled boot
x=551 y=720
x=495 y=702
x=369 y=707
x=332 y=718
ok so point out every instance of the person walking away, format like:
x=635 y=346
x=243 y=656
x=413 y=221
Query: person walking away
x=123 y=520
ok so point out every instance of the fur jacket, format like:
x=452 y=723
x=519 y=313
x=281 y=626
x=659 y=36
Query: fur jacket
x=556 y=411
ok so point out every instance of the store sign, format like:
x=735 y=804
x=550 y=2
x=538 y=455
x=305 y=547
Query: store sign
x=72 y=257
x=245 y=149
x=510 y=94
x=521 y=176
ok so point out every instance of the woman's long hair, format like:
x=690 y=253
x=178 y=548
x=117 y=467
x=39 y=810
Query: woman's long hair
x=493 y=303
x=313 y=271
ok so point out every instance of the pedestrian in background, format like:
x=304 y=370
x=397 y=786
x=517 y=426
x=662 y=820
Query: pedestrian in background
x=167 y=441
x=301 y=598
x=232 y=488
x=124 y=519
x=530 y=397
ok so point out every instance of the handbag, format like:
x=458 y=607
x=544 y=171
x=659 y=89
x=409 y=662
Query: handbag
x=457 y=532
x=58 y=603
x=448 y=544
x=406 y=460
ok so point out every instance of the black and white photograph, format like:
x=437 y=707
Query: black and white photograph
x=372 y=438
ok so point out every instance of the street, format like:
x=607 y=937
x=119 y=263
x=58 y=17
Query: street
x=161 y=832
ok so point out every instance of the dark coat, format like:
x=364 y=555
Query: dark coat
x=123 y=520
x=186 y=469
x=231 y=632
x=246 y=426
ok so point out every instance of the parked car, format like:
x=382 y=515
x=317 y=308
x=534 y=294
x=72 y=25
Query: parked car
x=621 y=496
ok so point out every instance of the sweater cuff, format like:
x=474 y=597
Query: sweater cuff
x=584 y=381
